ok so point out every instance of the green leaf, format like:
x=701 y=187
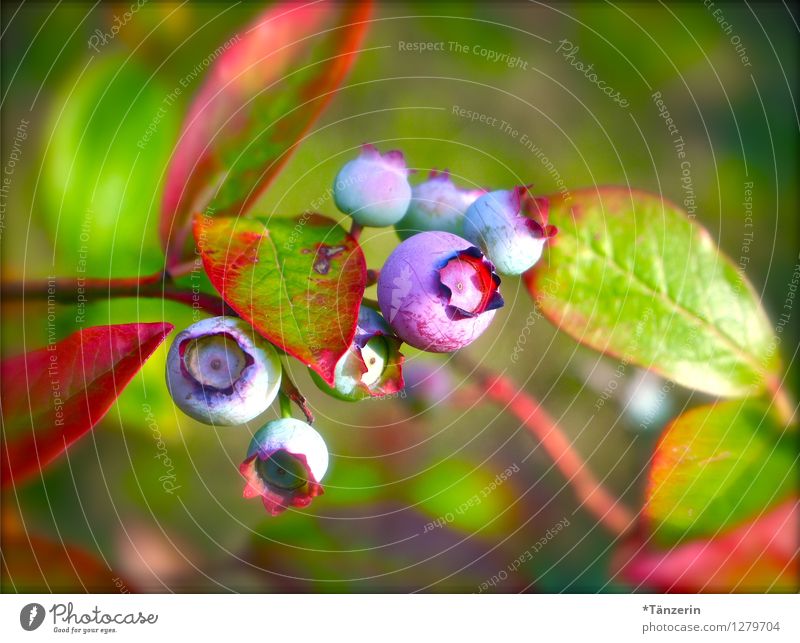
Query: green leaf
x=715 y=467
x=298 y=281
x=112 y=132
x=465 y=496
x=631 y=275
x=268 y=86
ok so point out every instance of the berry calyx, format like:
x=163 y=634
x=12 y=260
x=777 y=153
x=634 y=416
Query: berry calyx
x=221 y=372
x=471 y=282
x=285 y=463
x=373 y=188
x=215 y=361
x=282 y=470
x=511 y=228
x=438 y=292
x=436 y=204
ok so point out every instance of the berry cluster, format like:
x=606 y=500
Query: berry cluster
x=438 y=291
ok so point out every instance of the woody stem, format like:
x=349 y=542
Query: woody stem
x=72 y=290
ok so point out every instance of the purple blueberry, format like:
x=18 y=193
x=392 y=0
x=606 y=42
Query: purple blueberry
x=285 y=463
x=372 y=366
x=436 y=204
x=373 y=188
x=438 y=292
x=220 y=371
x=511 y=228
x=428 y=381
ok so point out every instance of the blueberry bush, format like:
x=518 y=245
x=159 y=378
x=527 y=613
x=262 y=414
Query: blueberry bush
x=622 y=272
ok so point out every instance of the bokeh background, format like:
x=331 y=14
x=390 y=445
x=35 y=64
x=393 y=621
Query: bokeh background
x=86 y=185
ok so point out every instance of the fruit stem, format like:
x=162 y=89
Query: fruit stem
x=69 y=290
x=355 y=230
x=290 y=393
x=595 y=498
x=372 y=303
x=285 y=404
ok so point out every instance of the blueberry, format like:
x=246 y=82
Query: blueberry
x=220 y=371
x=436 y=204
x=285 y=463
x=429 y=382
x=373 y=188
x=372 y=366
x=438 y=292
x=511 y=228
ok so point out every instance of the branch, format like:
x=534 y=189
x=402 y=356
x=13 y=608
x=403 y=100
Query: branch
x=608 y=509
x=68 y=290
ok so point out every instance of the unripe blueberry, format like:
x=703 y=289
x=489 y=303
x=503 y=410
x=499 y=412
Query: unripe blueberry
x=373 y=188
x=372 y=366
x=285 y=463
x=436 y=204
x=438 y=292
x=511 y=228
x=220 y=371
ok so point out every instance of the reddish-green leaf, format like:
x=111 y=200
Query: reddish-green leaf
x=54 y=395
x=717 y=466
x=759 y=556
x=298 y=281
x=261 y=96
x=32 y=563
x=631 y=275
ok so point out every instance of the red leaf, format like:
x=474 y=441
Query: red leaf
x=755 y=557
x=52 y=396
x=299 y=282
x=260 y=98
x=33 y=563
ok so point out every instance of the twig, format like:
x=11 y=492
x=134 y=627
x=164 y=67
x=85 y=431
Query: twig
x=593 y=496
x=67 y=290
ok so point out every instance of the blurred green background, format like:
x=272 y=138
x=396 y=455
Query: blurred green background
x=87 y=166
